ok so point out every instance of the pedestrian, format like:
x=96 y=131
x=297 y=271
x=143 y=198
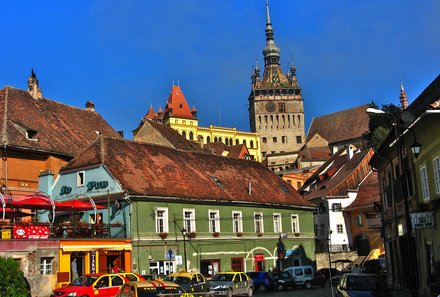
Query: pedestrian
x=74 y=269
x=115 y=268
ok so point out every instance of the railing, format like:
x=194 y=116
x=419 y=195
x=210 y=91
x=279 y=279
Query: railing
x=35 y=230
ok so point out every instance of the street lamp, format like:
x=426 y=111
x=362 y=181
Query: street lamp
x=184 y=234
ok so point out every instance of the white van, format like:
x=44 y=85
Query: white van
x=303 y=275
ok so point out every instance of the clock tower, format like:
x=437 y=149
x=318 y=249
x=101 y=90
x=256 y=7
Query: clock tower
x=276 y=107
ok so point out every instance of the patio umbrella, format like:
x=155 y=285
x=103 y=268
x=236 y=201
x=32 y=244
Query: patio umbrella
x=9 y=213
x=77 y=205
x=36 y=201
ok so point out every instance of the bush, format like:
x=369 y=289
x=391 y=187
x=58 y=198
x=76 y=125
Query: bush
x=12 y=283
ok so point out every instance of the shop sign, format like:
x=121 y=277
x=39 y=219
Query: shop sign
x=96 y=185
x=259 y=258
x=93 y=262
x=423 y=220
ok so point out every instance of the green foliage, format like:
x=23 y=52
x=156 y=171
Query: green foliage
x=380 y=124
x=12 y=283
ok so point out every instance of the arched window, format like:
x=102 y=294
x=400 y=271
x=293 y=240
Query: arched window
x=208 y=139
x=220 y=139
x=244 y=141
x=226 y=141
x=191 y=135
x=184 y=134
x=251 y=144
x=237 y=142
x=215 y=139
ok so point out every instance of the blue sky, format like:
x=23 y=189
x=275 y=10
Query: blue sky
x=124 y=55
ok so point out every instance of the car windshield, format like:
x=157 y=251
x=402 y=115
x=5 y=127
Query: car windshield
x=178 y=279
x=364 y=284
x=156 y=291
x=84 y=281
x=223 y=277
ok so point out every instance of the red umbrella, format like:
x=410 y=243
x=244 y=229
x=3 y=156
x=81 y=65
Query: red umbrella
x=12 y=213
x=34 y=202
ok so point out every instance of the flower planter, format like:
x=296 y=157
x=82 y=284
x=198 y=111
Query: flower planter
x=163 y=235
x=296 y=234
x=239 y=234
x=216 y=234
x=260 y=234
x=191 y=235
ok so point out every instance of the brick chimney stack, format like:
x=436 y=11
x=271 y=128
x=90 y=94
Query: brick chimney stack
x=90 y=106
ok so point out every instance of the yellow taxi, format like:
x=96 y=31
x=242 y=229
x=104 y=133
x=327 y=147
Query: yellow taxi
x=189 y=281
x=149 y=288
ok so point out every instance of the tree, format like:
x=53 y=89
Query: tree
x=380 y=124
x=12 y=282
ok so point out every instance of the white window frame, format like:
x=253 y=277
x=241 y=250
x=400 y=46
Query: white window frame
x=80 y=178
x=214 y=221
x=237 y=222
x=358 y=220
x=258 y=222
x=46 y=265
x=163 y=219
x=294 y=223
x=189 y=220
x=424 y=182
x=340 y=228
x=277 y=223
x=436 y=163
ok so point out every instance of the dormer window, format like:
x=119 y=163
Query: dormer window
x=80 y=179
x=31 y=135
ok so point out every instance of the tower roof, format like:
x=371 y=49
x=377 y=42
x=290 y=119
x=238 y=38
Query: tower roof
x=177 y=106
x=271 y=52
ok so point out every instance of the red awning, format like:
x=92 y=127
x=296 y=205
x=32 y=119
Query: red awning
x=77 y=205
x=34 y=201
x=12 y=213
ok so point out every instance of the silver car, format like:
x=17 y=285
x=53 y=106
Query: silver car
x=231 y=284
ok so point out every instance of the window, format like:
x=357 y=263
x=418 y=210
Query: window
x=80 y=179
x=322 y=229
x=258 y=222
x=161 y=220
x=437 y=174
x=298 y=185
x=339 y=229
x=208 y=139
x=31 y=135
x=315 y=229
x=191 y=135
x=284 y=139
x=298 y=139
x=358 y=220
x=282 y=107
x=46 y=265
x=214 y=221
x=277 y=226
x=251 y=144
x=244 y=142
x=237 y=264
x=184 y=134
x=336 y=207
x=237 y=222
x=264 y=139
x=295 y=223
x=274 y=139
x=263 y=154
x=189 y=222
x=424 y=182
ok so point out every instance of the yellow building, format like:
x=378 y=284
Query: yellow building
x=179 y=116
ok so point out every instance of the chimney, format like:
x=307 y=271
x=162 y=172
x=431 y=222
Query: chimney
x=33 y=88
x=90 y=106
x=45 y=181
x=350 y=152
x=121 y=132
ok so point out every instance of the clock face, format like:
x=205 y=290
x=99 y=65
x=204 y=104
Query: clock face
x=270 y=106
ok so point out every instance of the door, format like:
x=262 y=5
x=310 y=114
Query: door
x=298 y=273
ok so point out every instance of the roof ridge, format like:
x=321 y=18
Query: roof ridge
x=5 y=117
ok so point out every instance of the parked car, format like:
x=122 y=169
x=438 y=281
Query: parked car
x=189 y=281
x=362 y=284
x=132 y=276
x=231 y=284
x=303 y=275
x=377 y=266
x=96 y=285
x=329 y=271
x=318 y=279
x=149 y=289
x=337 y=277
x=263 y=281
x=284 y=280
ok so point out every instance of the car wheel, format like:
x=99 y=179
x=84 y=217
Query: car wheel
x=262 y=288
x=249 y=292
x=307 y=285
x=229 y=292
x=280 y=287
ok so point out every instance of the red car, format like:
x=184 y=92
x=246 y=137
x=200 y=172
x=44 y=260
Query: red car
x=92 y=285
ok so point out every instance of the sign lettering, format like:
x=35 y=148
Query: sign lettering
x=65 y=190
x=96 y=185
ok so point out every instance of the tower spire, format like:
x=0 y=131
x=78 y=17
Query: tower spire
x=271 y=52
x=403 y=98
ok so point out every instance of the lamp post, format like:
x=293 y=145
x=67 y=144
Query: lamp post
x=403 y=187
x=184 y=234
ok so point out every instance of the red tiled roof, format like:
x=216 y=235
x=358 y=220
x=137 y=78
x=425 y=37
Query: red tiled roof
x=235 y=151
x=369 y=192
x=177 y=106
x=338 y=175
x=267 y=81
x=151 y=170
x=314 y=153
x=60 y=128
x=342 y=125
